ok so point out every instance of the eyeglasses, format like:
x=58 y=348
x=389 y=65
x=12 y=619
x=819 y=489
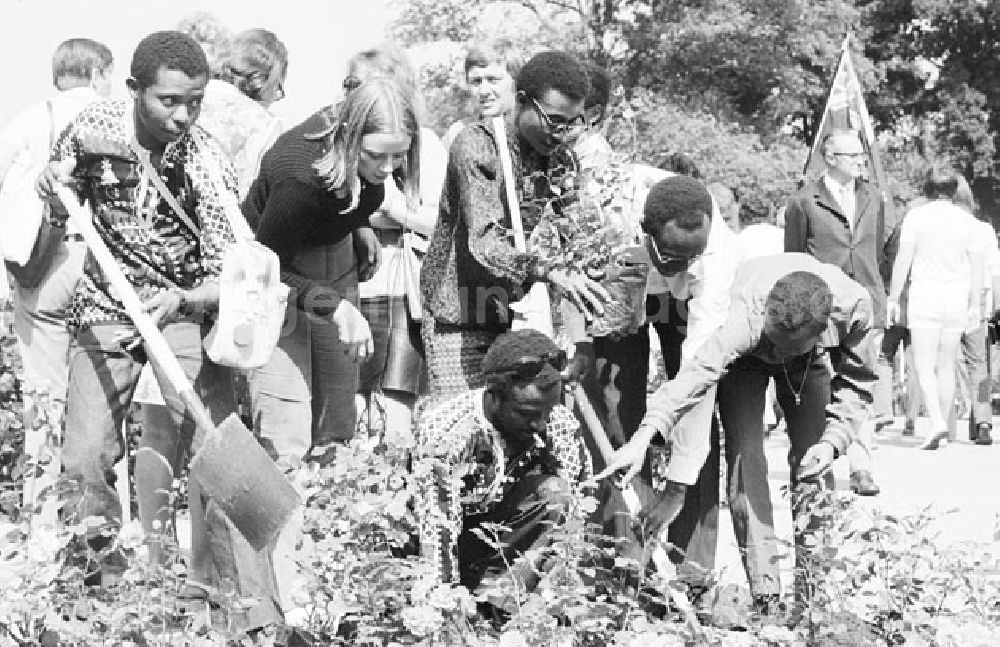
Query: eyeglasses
x=351 y=83
x=559 y=124
x=529 y=366
x=852 y=156
x=666 y=259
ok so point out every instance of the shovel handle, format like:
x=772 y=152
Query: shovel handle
x=156 y=345
x=629 y=496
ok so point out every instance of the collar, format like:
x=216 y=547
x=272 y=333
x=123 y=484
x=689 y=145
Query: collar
x=837 y=188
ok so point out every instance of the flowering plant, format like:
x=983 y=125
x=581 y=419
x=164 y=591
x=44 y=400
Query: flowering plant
x=591 y=226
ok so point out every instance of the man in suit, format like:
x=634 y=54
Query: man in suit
x=843 y=220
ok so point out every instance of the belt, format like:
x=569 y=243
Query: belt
x=73 y=238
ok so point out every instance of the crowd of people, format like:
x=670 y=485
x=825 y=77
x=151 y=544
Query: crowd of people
x=405 y=282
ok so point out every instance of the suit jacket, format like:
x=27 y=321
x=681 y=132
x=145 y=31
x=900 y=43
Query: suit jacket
x=816 y=225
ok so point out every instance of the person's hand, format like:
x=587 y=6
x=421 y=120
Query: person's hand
x=368 y=251
x=663 y=509
x=630 y=456
x=586 y=294
x=580 y=365
x=816 y=461
x=394 y=203
x=54 y=174
x=892 y=311
x=164 y=307
x=354 y=331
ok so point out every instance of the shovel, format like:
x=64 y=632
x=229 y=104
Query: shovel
x=634 y=506
x=231 y=466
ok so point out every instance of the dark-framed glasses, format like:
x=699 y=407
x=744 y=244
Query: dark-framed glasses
x=559 y=124
x=528 y=366
x=668 y=259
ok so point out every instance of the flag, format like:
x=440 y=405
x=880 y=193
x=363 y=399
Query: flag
x=845 y=108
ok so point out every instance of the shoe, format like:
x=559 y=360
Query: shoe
x=935 y=440
x=863 y=484
x=910 y=428
x=983 y=434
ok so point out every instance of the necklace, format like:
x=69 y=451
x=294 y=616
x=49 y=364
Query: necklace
x=802 y=385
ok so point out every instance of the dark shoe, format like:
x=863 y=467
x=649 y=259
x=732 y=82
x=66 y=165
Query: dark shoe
x=910 y=428
x=983 y=434
x=863 y=484
x=935 y=440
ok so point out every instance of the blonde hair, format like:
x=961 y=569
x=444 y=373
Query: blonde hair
x=376 y=106
x=211 y=33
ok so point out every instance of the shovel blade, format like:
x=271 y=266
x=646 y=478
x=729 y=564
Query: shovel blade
x=236 y=472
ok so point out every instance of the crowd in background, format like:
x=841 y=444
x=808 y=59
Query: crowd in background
x=403 y=313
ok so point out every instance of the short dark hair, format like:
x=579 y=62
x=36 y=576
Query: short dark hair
x=941 y=182
x=167 y=49
x=495 y=52
x=677 y=198
x=680 y=163
x=554 y=70
x=799 y=299
x=600 y=85
x=510 y=347
x=79 y=57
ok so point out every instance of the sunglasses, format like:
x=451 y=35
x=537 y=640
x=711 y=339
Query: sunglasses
x=351 y=83
x=529 y=366
x=666 y=259
x=559 y=124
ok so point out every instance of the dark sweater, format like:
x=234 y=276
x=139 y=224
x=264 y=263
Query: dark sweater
x=290 y=210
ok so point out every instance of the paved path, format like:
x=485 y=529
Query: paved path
x=961 y=476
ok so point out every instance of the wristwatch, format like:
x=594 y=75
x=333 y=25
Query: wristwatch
x=184 y=307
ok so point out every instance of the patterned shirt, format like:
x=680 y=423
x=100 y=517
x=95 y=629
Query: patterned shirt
x=462 y=469
x=473 y=269
x=153 y=246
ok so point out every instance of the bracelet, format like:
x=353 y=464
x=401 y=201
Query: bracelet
x=56 y=217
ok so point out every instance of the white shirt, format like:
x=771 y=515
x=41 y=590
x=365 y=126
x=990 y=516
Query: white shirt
x=706 y=283
x=844 y=194
x=24 y=150
x=942 y=234
x=761 y=239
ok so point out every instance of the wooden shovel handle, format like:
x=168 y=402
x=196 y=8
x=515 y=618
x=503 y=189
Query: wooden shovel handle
x=156 y=344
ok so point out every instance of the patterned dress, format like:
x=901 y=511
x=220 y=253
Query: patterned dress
x=463 y=469
x=473 y=270
x=152 y=245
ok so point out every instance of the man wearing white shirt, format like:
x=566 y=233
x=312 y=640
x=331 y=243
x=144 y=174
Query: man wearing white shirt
x=81 y=71
x=693 y=257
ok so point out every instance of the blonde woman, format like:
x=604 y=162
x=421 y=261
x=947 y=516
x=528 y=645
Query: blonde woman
x=939 y=255
x=317 y=187
x=397 y=368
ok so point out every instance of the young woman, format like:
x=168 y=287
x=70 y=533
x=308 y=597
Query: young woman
x=937 y=252
x=317 y=187
x=396 y=368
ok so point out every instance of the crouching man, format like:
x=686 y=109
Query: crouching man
x=792 y=318
x=506 y=454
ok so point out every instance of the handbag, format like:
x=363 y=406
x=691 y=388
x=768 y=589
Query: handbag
x=252 y=298
x=21 y=213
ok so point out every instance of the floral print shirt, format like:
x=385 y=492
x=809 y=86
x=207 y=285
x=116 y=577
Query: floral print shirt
x=462 y=469
x=472 y=269
x=153 y=246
